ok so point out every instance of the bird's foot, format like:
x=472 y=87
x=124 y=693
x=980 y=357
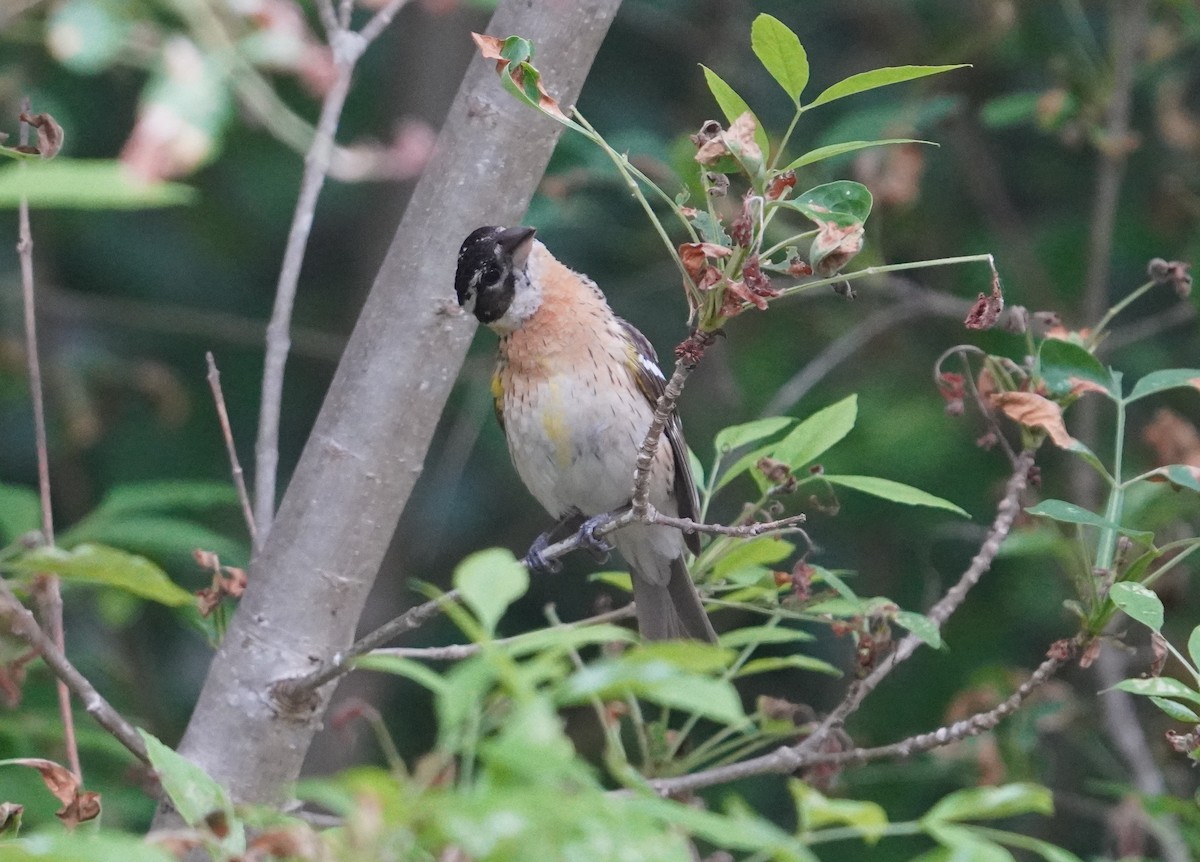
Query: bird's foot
x=598 y=546
x=535 y=560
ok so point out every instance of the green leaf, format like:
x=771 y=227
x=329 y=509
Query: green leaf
x=780 y=52
x=85 y=184
x=740 y=831
x=1138 y=603
x=405 y=667
x=962 y=844
x=757 y=553
x=864 y=81
x=843 y=202
x=551 y=640
x=193 y=793
x=1178 y=475
x=815 y=811
x=757 y=635
x=897 y=492
x=1159 y=381
x=83 y=846
x=166 y=494
x=733 y=106
x=658 y=681
x=786 y=662
x=1177 y=711
x=921 y=626
x=1159 y=686
x=153 y=536
x=839 y=585
x=736 y=436
x=1194 y=647
x=832 y=150
x=489 y=582
x=817 y=434
x=104 y=566
x=1069 y=513
x=990 y=803
x=691 y=656
x=20 y=512
x=1064 y=366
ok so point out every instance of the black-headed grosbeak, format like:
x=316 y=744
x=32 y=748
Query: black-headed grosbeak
x=575 y=392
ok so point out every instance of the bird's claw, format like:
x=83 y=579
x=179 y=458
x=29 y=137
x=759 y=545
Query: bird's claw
x=597 y=546
x=535 y=559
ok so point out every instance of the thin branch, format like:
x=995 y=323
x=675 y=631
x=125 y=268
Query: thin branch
x=1006 y=513
x=792 y=758
x=295 y=689
x=316 y=166
x=347 y=47
x=457 y=652
x=239 y=479
x=690 y=352
x=49 y=596
x=20 y=622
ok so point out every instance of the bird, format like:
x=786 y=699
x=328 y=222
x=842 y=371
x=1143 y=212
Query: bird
x=575 y=390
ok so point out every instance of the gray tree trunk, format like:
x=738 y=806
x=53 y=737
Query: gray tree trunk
x=308 y=585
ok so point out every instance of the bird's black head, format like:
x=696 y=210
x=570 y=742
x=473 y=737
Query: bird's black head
x=487 y=265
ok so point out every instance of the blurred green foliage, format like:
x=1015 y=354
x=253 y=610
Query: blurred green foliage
x=129 y=302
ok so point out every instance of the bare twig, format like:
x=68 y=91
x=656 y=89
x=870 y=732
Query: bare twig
x=239 y=480
x=49 y=596
x=792 y=758
x=690 y=353
x=20 y=622
x=1006 y=512
x=457 y=652
x=348 y=47
x=340 y=664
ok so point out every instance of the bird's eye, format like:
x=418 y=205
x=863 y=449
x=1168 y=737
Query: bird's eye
x=491 y=275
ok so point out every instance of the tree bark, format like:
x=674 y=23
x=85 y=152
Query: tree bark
x=309 y=583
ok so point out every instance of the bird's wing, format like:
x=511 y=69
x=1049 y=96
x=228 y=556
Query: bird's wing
x=651 y=382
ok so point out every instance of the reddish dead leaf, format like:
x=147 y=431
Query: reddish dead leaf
x=778 y=473
x=84 y=807
x=952 y=388
x=799 y=268
x=834 y=246
x=1089 y=655
x=284 y=842
x=986 y=310
x=1174 y=273
x=1174 y=439
x=59 y=780
x=709 y=146
x=490 y=48
x=1079 y=386
x=695 y=255
x=49 y=133
x=737 y=296
x=226 y=581
x=740 y=138
x=741 y=229
x=1158 y=647
x=1034 y=411
x=779 y=186
x=179 y=842
x=756 y=280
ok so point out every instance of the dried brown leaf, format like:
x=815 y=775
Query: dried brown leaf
x=1034 y=411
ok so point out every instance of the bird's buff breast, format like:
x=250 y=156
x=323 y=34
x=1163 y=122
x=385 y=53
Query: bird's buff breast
x=568 y=445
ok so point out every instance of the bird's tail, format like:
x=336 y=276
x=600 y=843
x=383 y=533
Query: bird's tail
x=668 y=606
